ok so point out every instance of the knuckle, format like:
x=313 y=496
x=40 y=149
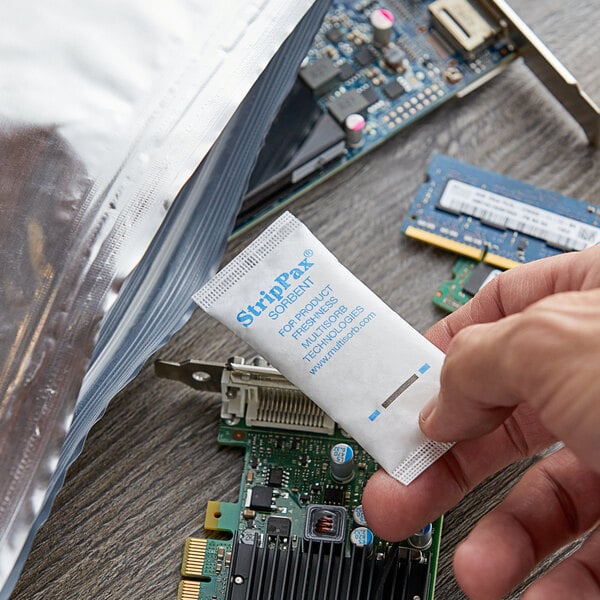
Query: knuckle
x=531 y=348
x=565 y=502
x=465 y=342
x=516 y=437
x=457 y=472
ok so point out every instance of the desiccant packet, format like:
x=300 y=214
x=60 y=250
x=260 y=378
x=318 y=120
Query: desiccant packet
x=332 y=337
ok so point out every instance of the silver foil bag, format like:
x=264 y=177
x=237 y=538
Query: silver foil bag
x=106 y=109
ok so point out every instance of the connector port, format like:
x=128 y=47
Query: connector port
x=465 y=26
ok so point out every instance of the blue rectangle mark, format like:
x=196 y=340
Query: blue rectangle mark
x=374 y=415
x=424 y=368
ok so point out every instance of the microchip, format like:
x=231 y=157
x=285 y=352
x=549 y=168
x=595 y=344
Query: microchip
x=393 y=90
x=333 y=495
x=346 y=71
x=261 y=498
x=481 y=275
x=275 y=477
x=334 y=35
x=279 y=527
x=364 y=56
x=321 y=75
x=370 y=96
x=351 y=102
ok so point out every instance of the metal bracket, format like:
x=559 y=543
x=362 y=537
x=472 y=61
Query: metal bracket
x=253 y=390
x=551 y=72
x=200 y=375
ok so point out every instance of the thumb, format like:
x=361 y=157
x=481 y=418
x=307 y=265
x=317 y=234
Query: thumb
x=475 y=395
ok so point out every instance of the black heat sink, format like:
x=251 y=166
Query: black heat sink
x=321 y=571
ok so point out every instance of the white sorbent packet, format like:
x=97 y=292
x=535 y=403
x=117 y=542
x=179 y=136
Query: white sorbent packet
x=332 y=337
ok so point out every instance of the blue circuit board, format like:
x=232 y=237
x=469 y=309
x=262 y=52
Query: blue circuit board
x=423 y=75
x=495 y=219
x=391 y=85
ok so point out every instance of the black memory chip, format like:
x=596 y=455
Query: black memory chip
x=369 y=95
x=320 y=75
x=351 y=102
x=393 y=90
x=365 y=56
x=346 y=71
x=275 y=477
x=261 y=498
x=279 y=526
x=333 y=495
x=481 y=274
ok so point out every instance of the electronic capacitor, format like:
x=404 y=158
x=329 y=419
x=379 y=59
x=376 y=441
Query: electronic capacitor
x=342 y=463
x=359 y=515
x=382 y=24
x=354 y=126
x=423 y=538
x=362 y=537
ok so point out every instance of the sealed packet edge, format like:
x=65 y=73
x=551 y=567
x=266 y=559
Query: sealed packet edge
x=246 y=260
x=418 y=460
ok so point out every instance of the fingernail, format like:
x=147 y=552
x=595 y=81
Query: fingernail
x=428 y=410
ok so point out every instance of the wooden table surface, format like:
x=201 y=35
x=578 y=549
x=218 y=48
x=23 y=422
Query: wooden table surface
x=150 y=465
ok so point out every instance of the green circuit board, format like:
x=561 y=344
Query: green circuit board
x=469 y=276
x=276 y=547
x=451 y=294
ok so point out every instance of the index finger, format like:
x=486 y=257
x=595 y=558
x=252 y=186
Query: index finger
x=497 y=358
x=516 y=289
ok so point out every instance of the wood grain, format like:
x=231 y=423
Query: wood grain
x=151 y=464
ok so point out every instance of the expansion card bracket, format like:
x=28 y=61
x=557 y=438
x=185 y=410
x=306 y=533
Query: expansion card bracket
x=208 y=376
x=254 y=391
x=554 y=75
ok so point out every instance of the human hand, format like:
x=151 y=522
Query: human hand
x=521 y=372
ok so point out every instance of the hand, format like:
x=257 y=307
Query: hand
x=522 y=370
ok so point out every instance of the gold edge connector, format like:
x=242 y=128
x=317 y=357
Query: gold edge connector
x=188 y=590
x=500 y=261
x=442 y=242
x=194 y=554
